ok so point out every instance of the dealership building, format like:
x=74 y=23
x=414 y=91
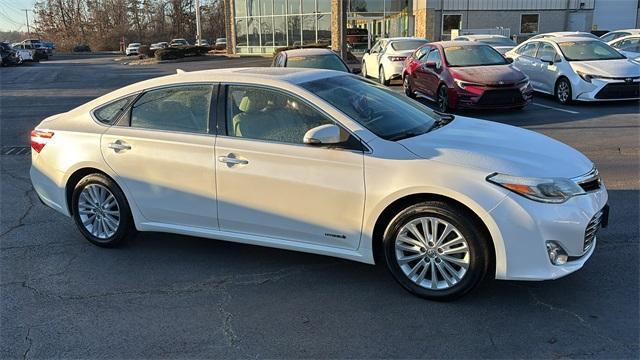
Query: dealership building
x=261 y=26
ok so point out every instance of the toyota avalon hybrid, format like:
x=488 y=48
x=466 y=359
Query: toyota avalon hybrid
x=323 y=162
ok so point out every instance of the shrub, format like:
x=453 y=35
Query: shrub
x=169 y=54
x=81 y=48
x=146 y=51
x=191 y=50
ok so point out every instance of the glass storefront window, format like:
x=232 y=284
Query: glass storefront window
x=324 y=28
x=308 y=29
x=324 y=6
x=309 y=6
x=293 y=29
x=294 y=7
x=266 y=7
x=241 y=8
x=266 y=28
x=279 y=7
x=280 y=30
x=241 y=32
x=254 y=32
x=253 y=7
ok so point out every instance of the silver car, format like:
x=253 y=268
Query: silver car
x=559 y=34
x=385 y=59
x=498 y=42
x=577 y=68
x=628 y=46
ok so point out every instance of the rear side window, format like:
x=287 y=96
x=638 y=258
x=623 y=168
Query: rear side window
x=178 y=108
x=108 y=114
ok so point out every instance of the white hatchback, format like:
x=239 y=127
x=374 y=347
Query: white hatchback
x=323 y=162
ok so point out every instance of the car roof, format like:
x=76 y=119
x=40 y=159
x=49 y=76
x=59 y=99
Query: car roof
x=560 y=39
x=400 y=38
x=483 y=36
x=309 y=52
x=632 y=31
x=451 y=43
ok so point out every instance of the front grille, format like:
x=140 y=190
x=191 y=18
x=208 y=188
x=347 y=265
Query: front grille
x=619 y=91
x=592 y=229
x=501 y=97
x=589 y=181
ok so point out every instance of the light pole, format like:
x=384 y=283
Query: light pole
x=198 y=26
x=26 y=13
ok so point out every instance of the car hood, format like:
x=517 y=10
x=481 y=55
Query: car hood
x=490 y=75
x=610 y=68
x=495 y=147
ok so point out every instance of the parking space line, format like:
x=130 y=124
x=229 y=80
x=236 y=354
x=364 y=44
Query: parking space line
x=555 y=108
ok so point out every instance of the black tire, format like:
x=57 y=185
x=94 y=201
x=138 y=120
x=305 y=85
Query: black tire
x=563 y=91
x=478 y=245
x=443 y=99
x=381 y=77
x=364 y=70
x=408 y=88
x=125 y=229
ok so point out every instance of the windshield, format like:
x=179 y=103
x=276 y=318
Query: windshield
x=330 y=62
x=407 y=44
x=382 y=111
x=588 y=50
x=473 y=55
x=497 y=41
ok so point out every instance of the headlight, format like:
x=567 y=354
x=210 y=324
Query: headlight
x=548 y=190
x=462 y=84
x=587 y=77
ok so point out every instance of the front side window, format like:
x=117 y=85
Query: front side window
x=529 y=49
x=108 y=114
x=546 y=52
x=529 y=23
x=632 y=44
x=177 y=108
x=385 y=113
x=473 y=55
x=265 y=114
x=588 y=50
x=434 y=56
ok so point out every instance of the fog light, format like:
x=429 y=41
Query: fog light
x=557 y=255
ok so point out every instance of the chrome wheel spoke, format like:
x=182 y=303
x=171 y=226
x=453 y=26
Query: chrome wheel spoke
x=410 y=241
x=461 y=262
x=413 y=229
x=410 y=258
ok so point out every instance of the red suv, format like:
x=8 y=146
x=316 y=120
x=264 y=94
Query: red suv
x=460 y=74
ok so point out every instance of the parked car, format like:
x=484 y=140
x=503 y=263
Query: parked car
x=50 y=46
x=385 y=59
x=82 y=48
x=8 y=55
x=202 y=42
x=448 y=200
x=498 y=42
x=580 y=34
x=28 y=52
x=612 y=35
x=178 y=42
x=465 y=75
x=629 y=46
x=313 y=58
x=221 y=44
x=158 y=46
x=578 y=68
x=133 y=49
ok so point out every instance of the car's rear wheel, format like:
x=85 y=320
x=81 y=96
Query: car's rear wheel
x=563 y=91
x=443 y=99
x=408 y=88
x=101 y=211
x=436 y=251
x=382 y=77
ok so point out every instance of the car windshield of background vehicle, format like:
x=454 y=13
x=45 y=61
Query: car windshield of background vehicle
x=498 y=41
x=460 y=56
x=330 y=62
x=407 y=45
x=382 y=111
x=529 y=23
x=588 y=50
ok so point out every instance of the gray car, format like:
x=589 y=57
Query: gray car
x=577 y=68
x=498 y=42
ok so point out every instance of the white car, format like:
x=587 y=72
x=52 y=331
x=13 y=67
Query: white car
x=158 y=46
x=133 y=49
x=629 y=46
x=385 y=59
x=324 y=162
x=612 y=35
x=179 y=42
x=577 y=69
x=559 y=34
x=498 y=42
x=202 y=42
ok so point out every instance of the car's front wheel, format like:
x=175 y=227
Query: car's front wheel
x=563 y=91
x=382 y=78
x=435 y=250
x=443 y=99
x=408 y=88
x=101 y=211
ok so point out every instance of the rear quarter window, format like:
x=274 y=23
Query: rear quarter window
x=109 y=113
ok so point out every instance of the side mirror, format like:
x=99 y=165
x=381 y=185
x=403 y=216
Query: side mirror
x=510 y=60
x=430 y=65
x=323 y=135
x=356 y=70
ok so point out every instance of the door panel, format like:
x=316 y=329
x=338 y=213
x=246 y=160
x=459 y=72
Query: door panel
x=171 y=176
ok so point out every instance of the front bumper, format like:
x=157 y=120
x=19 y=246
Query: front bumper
x=526 y=226
x=607 y=90
x=463 y=99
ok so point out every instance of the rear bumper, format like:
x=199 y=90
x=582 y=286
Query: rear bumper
x=48 y=184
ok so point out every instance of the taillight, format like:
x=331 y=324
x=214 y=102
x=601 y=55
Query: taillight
x=40 y=138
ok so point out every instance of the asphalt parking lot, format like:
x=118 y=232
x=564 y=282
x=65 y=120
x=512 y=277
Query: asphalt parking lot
x=181 y=297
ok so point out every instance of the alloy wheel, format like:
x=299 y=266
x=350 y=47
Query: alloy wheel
x=99 y=211
x=407 y=86
x=563 y=92
x=443 y=103
x=432 y=253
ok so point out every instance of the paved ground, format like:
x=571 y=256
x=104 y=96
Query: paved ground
x=175 y=296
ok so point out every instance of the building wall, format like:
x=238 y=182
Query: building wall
x=615 y=14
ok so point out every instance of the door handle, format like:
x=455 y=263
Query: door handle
x=119 y=146
x=231 y=160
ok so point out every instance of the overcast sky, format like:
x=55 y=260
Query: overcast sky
x=11 y=15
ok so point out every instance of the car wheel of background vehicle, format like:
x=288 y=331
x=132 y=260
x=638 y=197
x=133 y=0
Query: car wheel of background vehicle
x=436 y=250
x=101 y=211
x=563 y=91
x=381 y=77
x=408 y=89
x=364 y=70
x=443 y=99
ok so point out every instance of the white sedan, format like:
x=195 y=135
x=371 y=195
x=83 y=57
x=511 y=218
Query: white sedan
x=577 y=68
x=629 y=46
x=323 y=162
x=133 y=49
x=385 y=59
